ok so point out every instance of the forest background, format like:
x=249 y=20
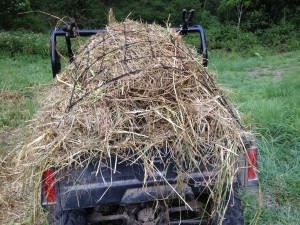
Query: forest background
x=242 y=26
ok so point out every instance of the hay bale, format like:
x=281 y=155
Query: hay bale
x=136 y=86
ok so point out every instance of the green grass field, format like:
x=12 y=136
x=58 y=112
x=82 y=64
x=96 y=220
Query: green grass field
x=21 y=78
x=265 y=89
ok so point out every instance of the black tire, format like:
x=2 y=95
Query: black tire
x=234 y=213
x=71 y=217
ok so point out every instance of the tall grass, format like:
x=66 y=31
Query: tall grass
x=21 y=80
x=267 y=91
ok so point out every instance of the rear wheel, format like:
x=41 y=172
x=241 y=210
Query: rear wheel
x=70 y=217
x=234 y=212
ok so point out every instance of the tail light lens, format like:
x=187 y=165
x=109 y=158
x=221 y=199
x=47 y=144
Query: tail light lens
x=49 y=187
x=252 y=164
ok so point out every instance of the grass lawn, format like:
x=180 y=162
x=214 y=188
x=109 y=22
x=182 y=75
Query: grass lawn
x=22 y=79
x=265 y=89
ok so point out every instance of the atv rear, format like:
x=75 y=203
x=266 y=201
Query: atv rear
x=113 y=190
x=116 y=191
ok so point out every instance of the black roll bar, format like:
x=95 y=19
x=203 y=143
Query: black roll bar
x=55 y=58
x=69 y=32
x=202 y=49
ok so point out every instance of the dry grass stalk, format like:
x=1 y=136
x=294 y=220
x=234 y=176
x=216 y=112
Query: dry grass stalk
x=136 y=86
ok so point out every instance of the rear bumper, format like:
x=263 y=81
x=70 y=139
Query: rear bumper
x=125 y=184
x=111 y=182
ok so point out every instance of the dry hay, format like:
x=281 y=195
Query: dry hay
x=136 y=86
x=12 y=195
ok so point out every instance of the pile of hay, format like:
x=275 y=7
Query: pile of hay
x=136 y=86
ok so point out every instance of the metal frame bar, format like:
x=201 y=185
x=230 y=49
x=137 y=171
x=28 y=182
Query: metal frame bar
x=72 y=33
x=202 y=50
x=55 y=58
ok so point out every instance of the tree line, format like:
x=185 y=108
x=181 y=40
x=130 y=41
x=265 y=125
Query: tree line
x=242 y=26
x=249 y=15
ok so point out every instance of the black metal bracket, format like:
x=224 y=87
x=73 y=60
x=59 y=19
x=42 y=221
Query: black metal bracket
x=202 y=49
x=70 y=31
x=185 y=29
x=186 y=18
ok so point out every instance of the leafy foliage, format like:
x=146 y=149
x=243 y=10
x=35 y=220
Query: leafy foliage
x=9 y=10
x=93 y=12
x=239 y=6
x=27 y=43
x=231 y=25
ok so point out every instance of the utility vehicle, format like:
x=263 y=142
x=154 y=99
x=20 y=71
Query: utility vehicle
x=85 y=197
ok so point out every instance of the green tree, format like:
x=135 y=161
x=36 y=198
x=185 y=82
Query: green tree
x=10 y=10
x=226 y=6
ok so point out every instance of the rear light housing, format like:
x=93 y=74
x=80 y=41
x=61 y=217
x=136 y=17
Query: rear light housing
x=248 y=164
x=49 y=186
x=252 y=163
x=251 y=168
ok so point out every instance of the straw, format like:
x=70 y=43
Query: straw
x=136 y=86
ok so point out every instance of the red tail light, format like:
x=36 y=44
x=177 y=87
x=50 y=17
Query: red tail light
x=49 y=187
x=252 y=165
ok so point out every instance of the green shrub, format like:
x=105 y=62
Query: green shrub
x=282 y=37
x=230 y=39
x=32 y=22
x=24 y=42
